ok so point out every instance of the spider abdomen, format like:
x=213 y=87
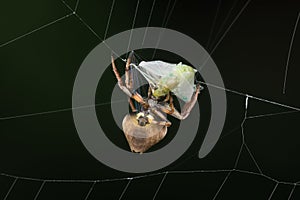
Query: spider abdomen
x=141 y=138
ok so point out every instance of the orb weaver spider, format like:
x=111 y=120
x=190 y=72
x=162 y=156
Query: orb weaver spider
x=148 y=126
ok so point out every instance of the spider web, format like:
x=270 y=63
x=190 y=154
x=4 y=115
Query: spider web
x=244 y=150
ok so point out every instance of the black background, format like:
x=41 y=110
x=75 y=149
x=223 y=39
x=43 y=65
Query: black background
x=38 y=70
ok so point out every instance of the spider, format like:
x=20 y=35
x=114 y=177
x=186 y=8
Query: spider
x=147 y=127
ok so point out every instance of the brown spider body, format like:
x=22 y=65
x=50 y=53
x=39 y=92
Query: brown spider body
x=146 y=128
x=141 y=138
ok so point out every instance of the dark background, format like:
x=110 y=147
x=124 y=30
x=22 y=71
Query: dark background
x=38 y=70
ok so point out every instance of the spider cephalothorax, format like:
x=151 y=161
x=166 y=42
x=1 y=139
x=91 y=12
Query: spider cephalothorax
x=144 y=118
x=148 y=126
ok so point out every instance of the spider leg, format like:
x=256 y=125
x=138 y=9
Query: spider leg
x=136 y=96
x=149 y=92
x=129 y=81
x=186 y=108
x=164 y=122
x=168 y=97
x=169 y=108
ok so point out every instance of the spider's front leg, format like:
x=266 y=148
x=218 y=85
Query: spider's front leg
x=164 y=121
x=186 y=108
x=129 y=81
x=126 y=89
